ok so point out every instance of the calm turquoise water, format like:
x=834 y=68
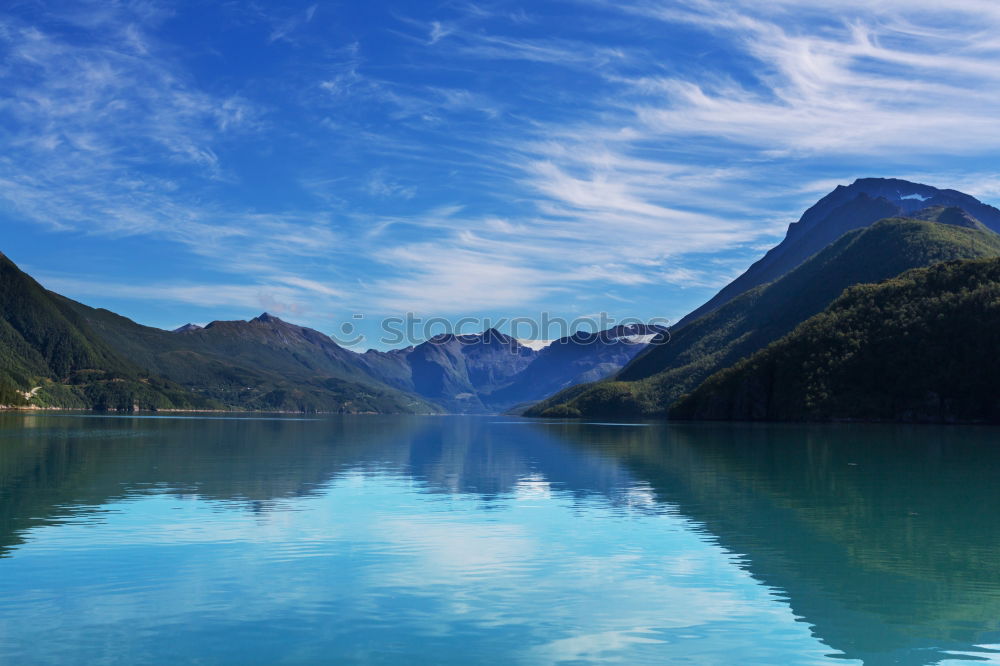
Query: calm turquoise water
x=458 y=540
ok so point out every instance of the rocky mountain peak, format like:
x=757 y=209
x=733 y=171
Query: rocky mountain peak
x=267 y=318
x=854 y=206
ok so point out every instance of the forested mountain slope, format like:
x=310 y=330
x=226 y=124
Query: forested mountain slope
x=919 y=347
x=661 y=374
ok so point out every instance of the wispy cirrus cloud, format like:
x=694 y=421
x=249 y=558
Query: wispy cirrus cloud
x=470 y=157
x=863 y=80
x=619 y=183
x=284 y=28
x=276 y=298
x=104 y=139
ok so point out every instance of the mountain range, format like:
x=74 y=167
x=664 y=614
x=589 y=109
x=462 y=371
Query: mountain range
x=846 y=208
x=758 y=308
x=56 y=352
x=492 y=372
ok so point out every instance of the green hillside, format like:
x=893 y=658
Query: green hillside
x=920 y=347
x=663 y=373
x=858 y=205
x=49 y=356
x=55 y=352
x=263 y=364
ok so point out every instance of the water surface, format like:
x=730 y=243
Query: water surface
x=463 y=540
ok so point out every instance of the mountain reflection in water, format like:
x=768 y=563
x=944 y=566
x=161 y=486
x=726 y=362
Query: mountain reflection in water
x=458 y=539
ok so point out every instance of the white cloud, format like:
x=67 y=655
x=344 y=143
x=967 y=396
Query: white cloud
x=379 y=185
x=883 y=77
x=637 y=184
x=97 y=132
x=608 y=208
x=292 y=298
x=438 y=32
x=283 y=29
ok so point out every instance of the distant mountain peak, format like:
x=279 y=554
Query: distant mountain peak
x=860 y=204
x=267 y=318
x=912 y=196
x=188 y=327
x=493 y=336
x=490 y=336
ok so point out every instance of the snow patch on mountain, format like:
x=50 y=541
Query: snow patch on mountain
x=639 y=339
x=537 y=345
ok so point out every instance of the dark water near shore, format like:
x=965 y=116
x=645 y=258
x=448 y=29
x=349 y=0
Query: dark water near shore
x=460 y=540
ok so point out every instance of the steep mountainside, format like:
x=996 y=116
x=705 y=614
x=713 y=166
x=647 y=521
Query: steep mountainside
x=456 y=371
x=660 y=375
x=865 y=201
x=50 y=356
x=572 y=360
x=491 y=371
x=55 y=352
x=262 y=364
x=920 y=347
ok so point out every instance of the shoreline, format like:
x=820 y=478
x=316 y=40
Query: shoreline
x=36 y=408
x=580 y=420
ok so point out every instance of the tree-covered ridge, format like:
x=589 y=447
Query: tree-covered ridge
x=55 y=352
x=49 y=356
x=268 y=364
x=662 y=374
x=858 y=205
x=264 y=364
x=920 y=347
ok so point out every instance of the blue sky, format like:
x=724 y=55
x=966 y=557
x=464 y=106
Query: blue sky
x=184 y=162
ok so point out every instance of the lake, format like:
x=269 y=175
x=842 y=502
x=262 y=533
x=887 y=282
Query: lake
x=465 y=540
